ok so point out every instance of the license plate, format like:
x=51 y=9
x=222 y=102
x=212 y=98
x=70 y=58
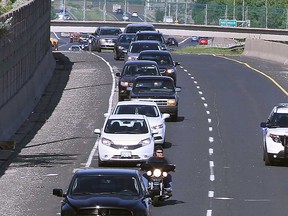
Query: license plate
x=126 y=154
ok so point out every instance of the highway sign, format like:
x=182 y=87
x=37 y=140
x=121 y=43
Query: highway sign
x=225 y=22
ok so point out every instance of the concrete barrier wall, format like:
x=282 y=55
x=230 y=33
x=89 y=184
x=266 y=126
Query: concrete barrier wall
x=26 y=63
x=273 y=51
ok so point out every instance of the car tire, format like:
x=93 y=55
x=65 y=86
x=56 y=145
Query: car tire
x=268 y=160
x=174 y=117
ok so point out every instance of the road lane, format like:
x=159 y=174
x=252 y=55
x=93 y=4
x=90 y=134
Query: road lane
x=215 y=145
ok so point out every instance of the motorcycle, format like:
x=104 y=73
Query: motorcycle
x=155 y=174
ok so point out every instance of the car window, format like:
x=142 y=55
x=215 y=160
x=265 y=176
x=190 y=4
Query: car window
x=126 y=38
x=149 y=111
x=126 y=126
x=137 y=48
x=153 y=86
x=279 y=120
x=106 y=184
x=156 y=37
x=160 y=59
x=110 y=31
x=137 y=70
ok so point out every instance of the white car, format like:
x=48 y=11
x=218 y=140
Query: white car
x=134 y=14
x=275 y=135
x=150 y=109
x=125 y=138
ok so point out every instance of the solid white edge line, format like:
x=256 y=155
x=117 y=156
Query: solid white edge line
x=94 y=149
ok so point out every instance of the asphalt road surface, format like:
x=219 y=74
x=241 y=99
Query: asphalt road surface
x=215 y=144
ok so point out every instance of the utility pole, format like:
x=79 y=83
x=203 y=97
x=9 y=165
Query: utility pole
x=266 y=14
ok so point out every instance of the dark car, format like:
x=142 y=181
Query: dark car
x=130 y=71
x=121 y=44
x=151 y=35
x=135 y=27
x=136 y=47
x=105 y=192
x=160 y=89
x=164 y=60
x=171 y=41
x=119 y=11
x=105 y=37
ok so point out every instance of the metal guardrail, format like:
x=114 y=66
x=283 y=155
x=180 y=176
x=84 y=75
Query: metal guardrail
x=187 y=29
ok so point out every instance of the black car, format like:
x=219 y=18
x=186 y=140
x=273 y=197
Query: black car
x=121 y=45
x=171 y=41
x=164 y=60
x=105 y=192
x=135 y=27
x=130 y=71
x=160 y=89
x=105 y=37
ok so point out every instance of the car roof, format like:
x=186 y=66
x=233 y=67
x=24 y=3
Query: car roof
x=150 y=103
x=126 y=116
x=109 y=27
x=148 y=32
x=281 y=108
x=145 y=41
x=105 y=171
x=156 y=52
x=154 y=77
x=137 y=62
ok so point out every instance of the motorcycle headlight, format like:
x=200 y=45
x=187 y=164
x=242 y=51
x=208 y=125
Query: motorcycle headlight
x=157 y=173
x=170 y=70
x=275 y=138
x=165 y=174
x=124 y=84
x=122 y=48
x=157 y=127
x=106 y=142
x=145 y=142
x=149 y=173
x=171 y=102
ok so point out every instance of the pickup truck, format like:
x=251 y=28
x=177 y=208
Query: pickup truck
x=160 y=89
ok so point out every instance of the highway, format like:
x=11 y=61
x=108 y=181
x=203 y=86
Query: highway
x=215 y=144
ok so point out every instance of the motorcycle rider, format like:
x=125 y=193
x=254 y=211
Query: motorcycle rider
x=159 y=158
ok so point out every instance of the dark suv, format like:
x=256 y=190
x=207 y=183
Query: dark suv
x=160 y=89
x=151 y=35
x=131 y=70
x=135 y=27
x=105 y=37
x=164 y=60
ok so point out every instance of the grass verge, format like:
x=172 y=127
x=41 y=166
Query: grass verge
x=208 y=50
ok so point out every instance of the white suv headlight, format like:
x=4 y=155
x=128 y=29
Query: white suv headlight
x=275 y=138
x=157 y=126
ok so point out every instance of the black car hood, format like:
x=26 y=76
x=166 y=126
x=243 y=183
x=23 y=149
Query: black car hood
x=103 y=201
x=164 y=95
x=126 y=45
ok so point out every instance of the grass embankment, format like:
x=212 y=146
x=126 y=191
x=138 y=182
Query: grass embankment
x=208 y=50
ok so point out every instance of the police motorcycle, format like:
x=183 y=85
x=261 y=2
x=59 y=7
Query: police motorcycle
x=155 y=174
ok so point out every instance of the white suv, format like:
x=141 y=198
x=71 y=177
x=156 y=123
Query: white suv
x=275 y=135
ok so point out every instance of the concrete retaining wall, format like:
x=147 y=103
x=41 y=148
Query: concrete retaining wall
x=273 y=51
x=26 y=63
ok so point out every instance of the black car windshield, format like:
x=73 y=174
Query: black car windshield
x=137 y=48
x=149 y=111
x=157 y=37
x=279 y=120
x=161 y=59
x=154 y=86
x=110 y=32
x=126 y=126
x=137 y=70
x=105 y=184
